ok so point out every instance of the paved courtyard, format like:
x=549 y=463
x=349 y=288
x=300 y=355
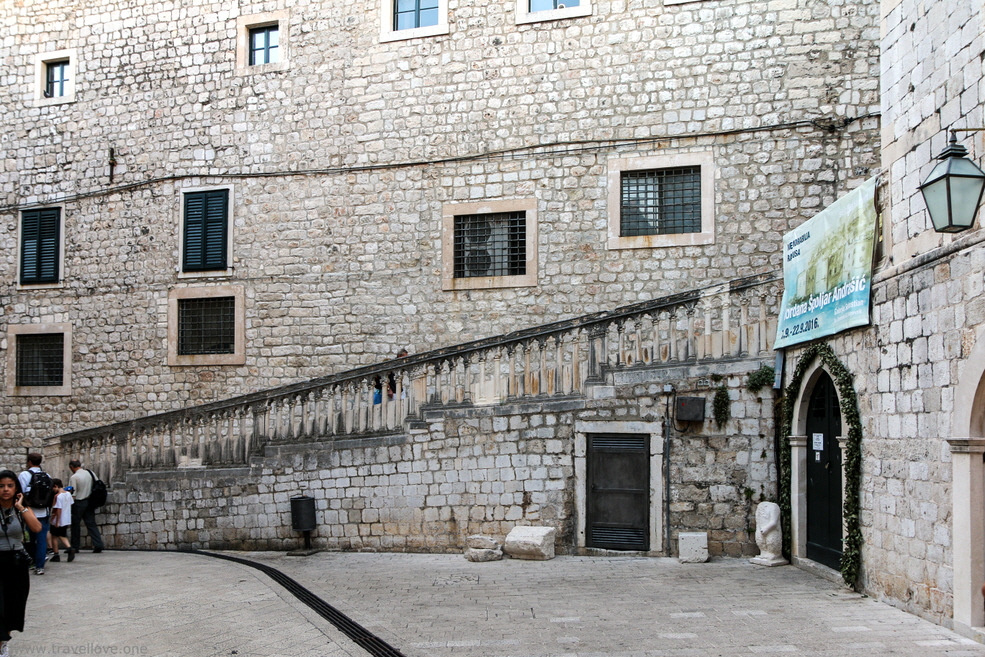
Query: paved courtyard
x=153 y=603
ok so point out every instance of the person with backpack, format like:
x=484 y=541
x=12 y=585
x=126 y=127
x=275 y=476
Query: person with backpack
x=88 y=490
x=38 y=495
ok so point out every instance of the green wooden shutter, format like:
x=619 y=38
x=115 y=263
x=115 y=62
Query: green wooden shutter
x=40 y=238
x=206 y=226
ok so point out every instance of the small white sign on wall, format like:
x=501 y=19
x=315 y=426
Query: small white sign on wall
x=818 y=441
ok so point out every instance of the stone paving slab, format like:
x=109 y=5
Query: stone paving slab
x=156 y=604
x=443 y=605
x=153 y=603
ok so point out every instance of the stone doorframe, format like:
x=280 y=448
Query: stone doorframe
x=968 y=492
x=655 y=431
x=798 y=463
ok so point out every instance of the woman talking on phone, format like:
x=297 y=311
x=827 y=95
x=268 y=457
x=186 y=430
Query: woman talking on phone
x=15 y=582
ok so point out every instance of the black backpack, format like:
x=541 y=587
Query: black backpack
x=42 y=493
x=97 y=497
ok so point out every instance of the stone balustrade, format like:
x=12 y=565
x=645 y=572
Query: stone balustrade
x=733 y=320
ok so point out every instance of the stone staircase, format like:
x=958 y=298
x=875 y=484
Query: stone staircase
x=730 y=321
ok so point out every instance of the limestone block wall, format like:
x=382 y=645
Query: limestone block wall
x=470 y=470
x=340 y=163
x=925 y=91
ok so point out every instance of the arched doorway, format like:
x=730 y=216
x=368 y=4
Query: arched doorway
x=824 y=503
x=967 y=445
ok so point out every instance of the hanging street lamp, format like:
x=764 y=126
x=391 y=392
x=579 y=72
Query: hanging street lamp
x=953 y=190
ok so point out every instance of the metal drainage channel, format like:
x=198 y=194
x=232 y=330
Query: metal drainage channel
x=376 y=646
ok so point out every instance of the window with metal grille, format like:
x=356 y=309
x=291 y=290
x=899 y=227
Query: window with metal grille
x=206 y=326
x=490 y=244
x=264 y=45
x=40 y=359
x=661 y=202
x=410 y=14
x=40 y=245
x=56 y=79
x=548 y=5
x=206 y=230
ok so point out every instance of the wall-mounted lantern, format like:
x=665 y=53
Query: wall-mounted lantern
x=953 y=190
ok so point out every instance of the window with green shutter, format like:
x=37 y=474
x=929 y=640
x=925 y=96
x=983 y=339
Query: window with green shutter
x=206 y=230
x=40 y=245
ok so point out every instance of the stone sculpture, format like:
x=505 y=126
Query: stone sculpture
x=769 y=535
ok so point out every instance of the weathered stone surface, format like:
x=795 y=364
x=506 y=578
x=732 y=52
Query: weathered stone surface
x=692 y=547
x=483 y=554
x=480 y=542
x=535 y=543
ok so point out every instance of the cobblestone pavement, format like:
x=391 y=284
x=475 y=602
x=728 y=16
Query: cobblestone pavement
x=152 y=603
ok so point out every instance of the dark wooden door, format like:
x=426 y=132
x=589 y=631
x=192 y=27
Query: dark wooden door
x=618 y=500
x=824 y=504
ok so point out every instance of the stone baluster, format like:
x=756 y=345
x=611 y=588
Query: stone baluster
x=463 y=391
x=576 y=384
x=366 y=392
x=768 y=330
x=542 y=351
x=707 y=349
x=744 y=327
x=761 y=327
x=528 y=374
x=690 y=339
x=730 y=342
x=511 y=354
x=558 y=378
x=329 y=428
x=596 y=350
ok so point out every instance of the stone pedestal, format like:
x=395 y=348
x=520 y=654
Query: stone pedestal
x=692 y=547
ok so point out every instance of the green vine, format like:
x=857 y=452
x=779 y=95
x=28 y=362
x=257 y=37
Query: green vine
x=761 y=378
x=851 y=558
x=720 y=406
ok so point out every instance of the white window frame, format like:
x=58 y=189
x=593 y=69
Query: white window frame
x=387 y=33
x=617 y=165
x=15 y=330
x=216 y=273
x=238 y=357
x=246 y=23
x=41 y=61
x=448 y=213
x=61 y=250
x=524 y=15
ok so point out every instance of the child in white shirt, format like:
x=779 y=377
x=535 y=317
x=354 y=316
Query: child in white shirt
x=61 y=520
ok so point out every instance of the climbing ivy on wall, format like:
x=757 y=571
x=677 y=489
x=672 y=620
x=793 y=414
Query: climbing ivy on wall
x=851 y=558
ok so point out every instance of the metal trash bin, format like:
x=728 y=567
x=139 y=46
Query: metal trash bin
x=303 y=513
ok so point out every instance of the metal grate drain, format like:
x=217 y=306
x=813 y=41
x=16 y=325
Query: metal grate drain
x=376 y=646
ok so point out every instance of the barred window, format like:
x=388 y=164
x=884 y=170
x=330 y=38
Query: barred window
x=661 y=201
x=206 y=326
x=40 y=359
x=490 y=244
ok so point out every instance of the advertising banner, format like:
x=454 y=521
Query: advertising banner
x=827 y=270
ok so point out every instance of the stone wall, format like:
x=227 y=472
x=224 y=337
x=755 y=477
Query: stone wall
x=481 y=469
x=927 y=312
x=906 y=369
x=341 y=161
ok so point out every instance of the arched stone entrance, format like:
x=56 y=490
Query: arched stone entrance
x=817 y=474
x=968 y=491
